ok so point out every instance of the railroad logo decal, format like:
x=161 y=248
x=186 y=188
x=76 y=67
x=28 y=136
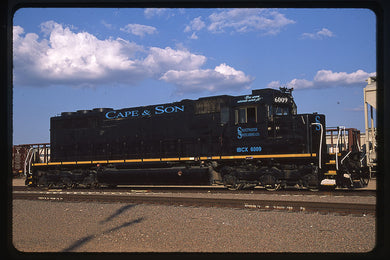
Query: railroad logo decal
x=248 y=98
x=157 y=110
x=317 y=120
x=247 y=132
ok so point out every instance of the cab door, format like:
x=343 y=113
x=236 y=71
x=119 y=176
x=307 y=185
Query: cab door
x=248 y=132
x=245 y=115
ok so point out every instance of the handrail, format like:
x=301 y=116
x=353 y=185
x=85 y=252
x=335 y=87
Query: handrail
x=337 y=144
x=345 y=156
x=358 y=143
x=362 y=159
x=25 y=161
x=360 y=150
x=29 y=163
x=320 y=149
x=345 y=139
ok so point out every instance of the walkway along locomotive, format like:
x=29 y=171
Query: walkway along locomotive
x=237 y=141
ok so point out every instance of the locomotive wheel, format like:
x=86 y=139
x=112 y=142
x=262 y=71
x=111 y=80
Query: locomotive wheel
x=365 y=178
x=89 y=181
x=310 y=181
x=365 y=181
x=42 y=181
x=235 y=186
x=66 y=183
x=231 y=182
x=270 y=183
x=272 y=187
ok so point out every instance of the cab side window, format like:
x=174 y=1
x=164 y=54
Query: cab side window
x=245 y=115
x=278 y=111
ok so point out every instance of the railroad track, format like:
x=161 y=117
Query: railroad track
x=212 y=189
x=141 y=197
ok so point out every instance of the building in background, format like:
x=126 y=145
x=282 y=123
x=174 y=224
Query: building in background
x=369 y=121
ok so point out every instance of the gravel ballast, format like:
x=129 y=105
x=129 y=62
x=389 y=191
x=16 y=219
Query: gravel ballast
x=44 y=226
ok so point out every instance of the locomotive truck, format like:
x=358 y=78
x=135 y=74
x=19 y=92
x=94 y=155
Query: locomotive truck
x=236 y=141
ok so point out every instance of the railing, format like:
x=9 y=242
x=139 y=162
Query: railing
x=27 y=161
x=36 y=153
x=340 y=128
x=341 y=144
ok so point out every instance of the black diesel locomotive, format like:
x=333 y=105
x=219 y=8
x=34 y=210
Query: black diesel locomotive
x=237 y=141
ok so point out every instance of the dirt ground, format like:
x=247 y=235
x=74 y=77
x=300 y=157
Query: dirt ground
x=44 y=226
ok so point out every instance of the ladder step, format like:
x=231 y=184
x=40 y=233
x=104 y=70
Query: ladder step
x=328 y=182
x=330 y=172
x=331 y=162
x=339 y=154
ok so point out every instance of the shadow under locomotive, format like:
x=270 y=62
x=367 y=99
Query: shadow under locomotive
x=236 y=141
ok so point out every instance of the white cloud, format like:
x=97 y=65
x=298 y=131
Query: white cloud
x=325 y=33
x=150 y=12
x=161 y=60
x=139 y=29
x=81 y=59
x=319 y=35
x=241 y=20
x=342 y=78
x=195 y=25
x=68 y=57
x=161 y=12
x=268 y=21
x=300 y=84
x=194 y=36
x=222 y=77
x=274 y=84
x=107 y=25
x=327 y=79
x=17 y=30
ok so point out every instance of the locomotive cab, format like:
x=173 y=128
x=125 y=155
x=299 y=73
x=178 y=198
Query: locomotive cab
x=258 y=117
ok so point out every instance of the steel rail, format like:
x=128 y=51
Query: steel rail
x=239 y=203
x=209 y=189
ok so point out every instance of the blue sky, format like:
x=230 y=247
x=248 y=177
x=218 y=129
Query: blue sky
x=72 y=58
